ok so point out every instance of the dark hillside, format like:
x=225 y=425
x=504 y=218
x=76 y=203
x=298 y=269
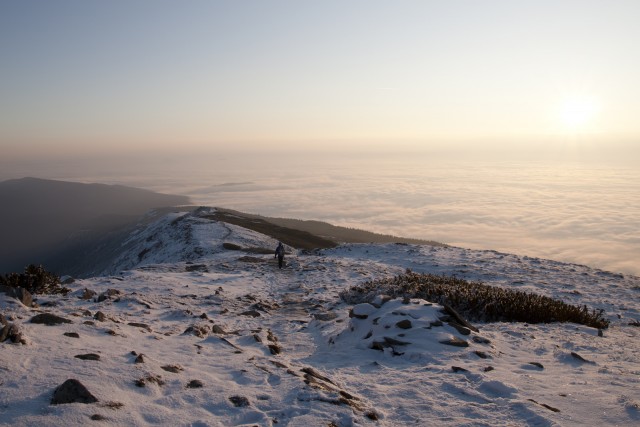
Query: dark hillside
x=45 y=221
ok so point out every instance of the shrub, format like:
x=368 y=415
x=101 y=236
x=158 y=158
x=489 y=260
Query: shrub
x=36 y=280
x=476 y=300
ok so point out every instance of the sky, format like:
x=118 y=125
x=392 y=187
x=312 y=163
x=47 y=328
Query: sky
x=92 y=78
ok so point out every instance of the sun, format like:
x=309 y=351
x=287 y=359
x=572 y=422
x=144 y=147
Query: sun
x=578 y=112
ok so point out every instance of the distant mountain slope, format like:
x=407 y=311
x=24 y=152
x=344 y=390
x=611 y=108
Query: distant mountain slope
x=46 y=221
x=323 y=229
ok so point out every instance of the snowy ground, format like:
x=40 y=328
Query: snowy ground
x=279 y=347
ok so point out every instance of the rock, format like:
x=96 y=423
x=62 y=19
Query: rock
x=481 y=340
x=173 y=368
x=49 y=319
x=239 y=401
x=451 y=312
x=139 y=358
x=108 y=294
x=461 y=329
x=98 y=417
x=3 y=320
x=18 y=293
x=325 y=317
x=88 y=356
x=72 y=334
x=362 y=311
x=252 y=313
x=72 y=391
x=197 y=267
x=456 y=342
x=404 y=324
x=274 y=348
x=149 y=379
x=458 y=369
x=481 y=354
x=204 y=316
x=195 y=384
x=201 y=331
x=100 y=317
x=87 y=294
x=580 y=358
x=4 y=333
x=140 y=325
x=537 y=364
x=232 y=247
x=216 y=329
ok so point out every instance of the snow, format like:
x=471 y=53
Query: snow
x=285 y=341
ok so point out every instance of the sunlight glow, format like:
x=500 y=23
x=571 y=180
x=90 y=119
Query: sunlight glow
x=577 y=112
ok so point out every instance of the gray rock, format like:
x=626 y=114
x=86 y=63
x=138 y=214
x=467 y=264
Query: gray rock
x=72 y=391
x=49 y=319
x=325 y=317
x=18 y=293
x=71 y=334
x=99 y=316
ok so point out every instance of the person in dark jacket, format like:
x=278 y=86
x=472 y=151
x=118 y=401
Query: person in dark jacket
x=280 y=254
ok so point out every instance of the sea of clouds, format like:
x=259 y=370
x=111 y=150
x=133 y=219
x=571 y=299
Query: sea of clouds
x=573 y=211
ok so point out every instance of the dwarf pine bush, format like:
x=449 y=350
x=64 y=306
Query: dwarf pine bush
x=36 y=280
x=476 y=300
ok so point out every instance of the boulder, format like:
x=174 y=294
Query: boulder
x=72 y=391
x=21 y=294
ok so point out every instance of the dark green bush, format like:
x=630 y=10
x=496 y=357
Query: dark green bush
x=36 y=280
x=476 y=300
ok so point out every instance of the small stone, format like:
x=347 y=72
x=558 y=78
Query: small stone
x=537 y=364
x=251 y=313
x=458 y=369
x=274 y=348
x=98 y=417
x=404 y=324
x=216 y=329
x=204 y=316
x=87 y=294
x=140 y=325
x=195 y=384
x=88 y=356
x=100 y=316
x=481 y=340
x=456 y=342
x=481 y=354
x=139 y=358
x=71 y=334
x=173 y=368
x=239 y=401
x=325 y=317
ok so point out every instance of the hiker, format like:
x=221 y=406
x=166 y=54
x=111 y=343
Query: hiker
x=280 y=254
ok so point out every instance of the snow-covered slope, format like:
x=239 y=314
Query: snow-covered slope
x=229 y=339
